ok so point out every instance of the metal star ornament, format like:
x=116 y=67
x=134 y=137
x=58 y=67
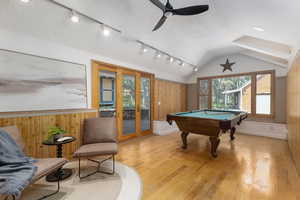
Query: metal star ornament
x=227 y=65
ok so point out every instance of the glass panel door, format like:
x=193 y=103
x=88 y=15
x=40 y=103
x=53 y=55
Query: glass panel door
x=129 y=104
x=145 y=104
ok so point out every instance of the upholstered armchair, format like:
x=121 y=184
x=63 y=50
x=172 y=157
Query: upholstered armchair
x=99 y=139
x=45 y=166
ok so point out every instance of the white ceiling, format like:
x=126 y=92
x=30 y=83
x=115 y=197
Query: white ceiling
x=197 y=39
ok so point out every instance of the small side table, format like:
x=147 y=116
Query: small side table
x=65 y=173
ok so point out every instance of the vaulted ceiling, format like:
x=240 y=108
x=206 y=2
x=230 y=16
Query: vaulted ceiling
x=196 y=39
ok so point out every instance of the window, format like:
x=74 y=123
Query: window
x=107 y=90
x=263 y=94
x=233 y=93
x=204 y=94
x=250 y=92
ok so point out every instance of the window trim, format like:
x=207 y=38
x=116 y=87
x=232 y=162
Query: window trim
x=253 y=91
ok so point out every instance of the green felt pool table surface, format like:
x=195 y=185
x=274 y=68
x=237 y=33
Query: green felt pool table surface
x=210 y=114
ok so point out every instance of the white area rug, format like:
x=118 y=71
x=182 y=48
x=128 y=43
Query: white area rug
x=124 y=185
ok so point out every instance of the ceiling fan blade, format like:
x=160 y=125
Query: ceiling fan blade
x=158 y=4
x=168 y=5
x=160 y=23
x=192 y=10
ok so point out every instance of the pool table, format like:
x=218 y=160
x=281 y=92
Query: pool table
x=207 y=122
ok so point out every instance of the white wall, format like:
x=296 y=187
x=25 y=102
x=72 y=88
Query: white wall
x=27 y=44
x=243 y=64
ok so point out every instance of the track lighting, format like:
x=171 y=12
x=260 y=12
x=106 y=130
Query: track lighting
x=105 y=30
x=143 y=48
x=157 y=54
x=74 y=17
x=181 y=63
x=170 y=59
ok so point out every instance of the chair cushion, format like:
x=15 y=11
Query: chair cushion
x=99 y=130
x=99 y=149
x=14 y=132
x=47 y=165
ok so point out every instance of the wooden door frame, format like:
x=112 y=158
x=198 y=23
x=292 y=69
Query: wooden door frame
x=152 y=85
x=98 y=66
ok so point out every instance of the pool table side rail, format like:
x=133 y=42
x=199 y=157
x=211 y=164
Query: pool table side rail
x=240 y=115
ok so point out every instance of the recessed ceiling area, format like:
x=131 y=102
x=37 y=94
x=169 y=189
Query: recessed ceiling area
x=196 y=39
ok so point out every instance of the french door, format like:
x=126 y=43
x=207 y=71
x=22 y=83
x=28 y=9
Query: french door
x=145 y=97
x=125 y=94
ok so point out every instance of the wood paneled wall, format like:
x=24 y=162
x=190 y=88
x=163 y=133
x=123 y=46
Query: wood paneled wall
x=34 y=130
x=293 y=111
x=169 y=97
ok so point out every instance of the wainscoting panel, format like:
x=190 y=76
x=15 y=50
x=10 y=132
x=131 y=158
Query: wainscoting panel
x=170 y=97
x=34 y=128
x=293 y=111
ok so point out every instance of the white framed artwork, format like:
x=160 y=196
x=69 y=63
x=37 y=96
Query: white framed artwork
x=34 y=83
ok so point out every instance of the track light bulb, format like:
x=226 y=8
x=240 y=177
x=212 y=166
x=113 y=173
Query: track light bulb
x=157 y=55
x=181 y=63
x=170 y=59
x=105 y=30
x=74 y=17
x=143 y=48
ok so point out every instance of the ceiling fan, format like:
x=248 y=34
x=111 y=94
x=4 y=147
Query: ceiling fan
x=168 y=10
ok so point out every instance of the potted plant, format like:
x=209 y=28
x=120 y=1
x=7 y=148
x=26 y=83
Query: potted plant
x=55 y=133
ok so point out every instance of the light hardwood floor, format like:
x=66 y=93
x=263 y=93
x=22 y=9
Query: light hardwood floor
x=248 y=168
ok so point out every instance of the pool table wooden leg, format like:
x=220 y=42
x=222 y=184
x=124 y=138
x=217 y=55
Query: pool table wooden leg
x=215 y=141
x=232 y=132
x=184 y=139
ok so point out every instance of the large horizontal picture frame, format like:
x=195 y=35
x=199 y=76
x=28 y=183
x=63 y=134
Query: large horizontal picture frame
x=32 y=83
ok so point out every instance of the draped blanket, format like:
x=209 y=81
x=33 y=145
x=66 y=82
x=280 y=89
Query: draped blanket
x=16 y=169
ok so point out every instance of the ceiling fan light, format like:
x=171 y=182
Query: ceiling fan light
x=74 y=17
x=195 y=69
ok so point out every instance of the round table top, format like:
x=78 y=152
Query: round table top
x=51 y=142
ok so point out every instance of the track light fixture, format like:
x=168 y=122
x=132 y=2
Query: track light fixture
x=181 y=63
x=170 y=59
x=157 y=55
x=144 y=48
x=74 y=17
x=105 y=30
